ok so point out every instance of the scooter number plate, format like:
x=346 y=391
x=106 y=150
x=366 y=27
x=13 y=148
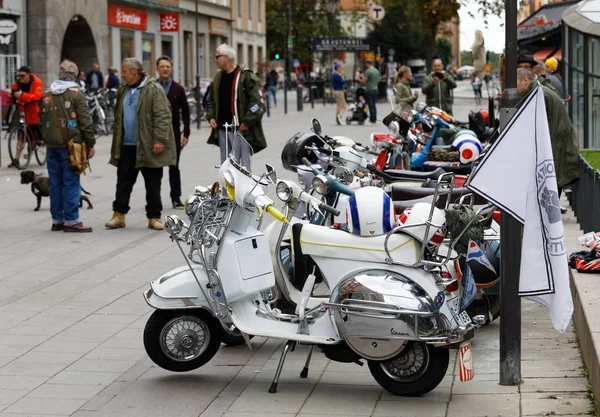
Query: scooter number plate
x=463 y=318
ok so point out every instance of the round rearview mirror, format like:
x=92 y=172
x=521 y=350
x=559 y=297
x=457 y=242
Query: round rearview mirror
x=420 y=107
x=343 y=175
x=316 y=127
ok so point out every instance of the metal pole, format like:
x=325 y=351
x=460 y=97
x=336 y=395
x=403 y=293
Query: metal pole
x=510 y=229
x=284 y=6
x=198 y=103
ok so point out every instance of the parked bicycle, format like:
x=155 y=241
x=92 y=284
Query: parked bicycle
x=96 y=101
x=23 y=140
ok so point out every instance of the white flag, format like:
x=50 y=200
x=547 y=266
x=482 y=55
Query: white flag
x=518 y=176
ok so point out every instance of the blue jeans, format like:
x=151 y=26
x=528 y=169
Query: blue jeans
x=272 y=94
x=371 y=97
x=65 y=188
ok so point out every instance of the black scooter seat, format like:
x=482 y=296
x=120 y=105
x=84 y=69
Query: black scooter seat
x=455 y=167
x=405 y=175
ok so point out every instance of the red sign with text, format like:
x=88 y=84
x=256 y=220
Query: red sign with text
x=127 y=17
x=169 y=22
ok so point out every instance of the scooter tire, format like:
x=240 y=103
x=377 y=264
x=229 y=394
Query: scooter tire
x=427 y=379
x=348 y=120
x=233 y=339
x=160 y=320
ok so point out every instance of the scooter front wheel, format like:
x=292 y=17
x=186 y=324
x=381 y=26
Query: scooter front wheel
x=415 y=371
x=181 y=340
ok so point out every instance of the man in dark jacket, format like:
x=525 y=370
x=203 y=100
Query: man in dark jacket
x=565 y=145
x=94 y=79
x=64 y=115
x=143 y=141
x=223 y=104
x=438 y=87
x=180 y=110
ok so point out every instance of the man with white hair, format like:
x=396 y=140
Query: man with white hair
x=143 y=140
x=65 y=116
x=235 y=92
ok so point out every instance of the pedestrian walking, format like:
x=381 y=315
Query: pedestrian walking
x=234 y=92
x=339 y=84
x=438 y=87
x=143 y=140
x=404 y=95
x=477 y=83
x=94 y=78
x=180 y=110
x=65 y=116
x=370 y=78
x=272 y=79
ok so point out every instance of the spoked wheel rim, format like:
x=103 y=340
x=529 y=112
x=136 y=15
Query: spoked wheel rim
x=19 y=142
x=40 y=153
x=184 y=338
x=409 y=365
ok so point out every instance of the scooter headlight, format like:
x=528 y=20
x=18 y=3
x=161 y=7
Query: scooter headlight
x=320 y=185
x=191 y=205
x=284 y=191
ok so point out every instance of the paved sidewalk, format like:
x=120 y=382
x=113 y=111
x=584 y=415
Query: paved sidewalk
x=72 y=317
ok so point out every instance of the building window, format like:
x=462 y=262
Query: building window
x=148 y=56
x=594 y=56
x=126 y=44
x=577 y=110
x=577 y=50
x=239 y=8
x=594 y=135
x=259 y=11
x=249 y=9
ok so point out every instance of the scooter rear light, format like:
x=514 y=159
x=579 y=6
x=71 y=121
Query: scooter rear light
x=453 y=286
x=497 y=216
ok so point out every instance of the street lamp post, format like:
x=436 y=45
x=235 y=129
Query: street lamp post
x=331 y=6
x=197 y=73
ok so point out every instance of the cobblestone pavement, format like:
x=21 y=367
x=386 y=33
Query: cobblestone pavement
x=72 y=316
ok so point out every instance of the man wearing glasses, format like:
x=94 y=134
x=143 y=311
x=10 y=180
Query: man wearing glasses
x=234 y=92
x=27 y=91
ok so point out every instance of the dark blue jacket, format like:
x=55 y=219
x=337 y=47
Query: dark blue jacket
x=338 y=82
x=113 y=81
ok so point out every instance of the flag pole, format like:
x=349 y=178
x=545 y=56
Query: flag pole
x=510 y=228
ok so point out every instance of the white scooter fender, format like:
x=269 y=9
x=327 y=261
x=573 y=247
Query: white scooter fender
x=178 y=289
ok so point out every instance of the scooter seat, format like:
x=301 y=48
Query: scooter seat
x=442 y=147
x=402 y=174
x=456 y=167
x=318 y=241
x=401 y=192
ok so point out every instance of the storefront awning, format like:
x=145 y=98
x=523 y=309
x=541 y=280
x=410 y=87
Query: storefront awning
x=165 y=5
x=546 y=53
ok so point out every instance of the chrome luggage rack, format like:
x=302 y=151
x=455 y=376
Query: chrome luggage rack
x=430 y=260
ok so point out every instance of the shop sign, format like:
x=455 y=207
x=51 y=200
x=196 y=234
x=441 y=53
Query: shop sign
x=322 y=44
x=218 y=27
x=127 y=17
x=7 y=28
x=169 y=22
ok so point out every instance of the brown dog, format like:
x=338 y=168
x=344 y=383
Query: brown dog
x=40 y=187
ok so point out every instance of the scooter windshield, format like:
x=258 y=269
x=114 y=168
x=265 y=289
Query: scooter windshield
x=241 y=154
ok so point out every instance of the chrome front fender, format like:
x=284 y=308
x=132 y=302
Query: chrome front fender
x=178 y=289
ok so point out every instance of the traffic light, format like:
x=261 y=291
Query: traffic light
x=276 y=56
x=487 y=57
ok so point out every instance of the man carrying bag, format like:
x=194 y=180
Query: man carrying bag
x=66 y=127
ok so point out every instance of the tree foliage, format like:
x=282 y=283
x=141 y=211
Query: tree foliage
x=443 y=50
x=309 y=18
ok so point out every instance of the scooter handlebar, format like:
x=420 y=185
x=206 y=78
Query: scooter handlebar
x=329 y=209
x=276 y=214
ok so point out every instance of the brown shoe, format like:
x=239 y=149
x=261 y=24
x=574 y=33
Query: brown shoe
x=57 y=227
x=77 y=228
x=117 y=221
x=155 y=224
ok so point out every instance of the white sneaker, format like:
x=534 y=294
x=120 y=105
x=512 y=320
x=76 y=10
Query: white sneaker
x=339 y=119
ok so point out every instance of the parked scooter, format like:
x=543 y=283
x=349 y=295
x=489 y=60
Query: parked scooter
x=388 y=303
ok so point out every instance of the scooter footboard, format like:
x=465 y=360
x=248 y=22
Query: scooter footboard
x=178 y=289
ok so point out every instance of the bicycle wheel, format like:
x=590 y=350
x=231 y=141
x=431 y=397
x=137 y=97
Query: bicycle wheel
x=19 y=148
x=40 y=151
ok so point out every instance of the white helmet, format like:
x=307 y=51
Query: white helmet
x=370 y=212
x=468 y=146
x=419 y=213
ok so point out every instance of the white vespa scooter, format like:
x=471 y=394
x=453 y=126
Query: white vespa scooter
x=398 y=318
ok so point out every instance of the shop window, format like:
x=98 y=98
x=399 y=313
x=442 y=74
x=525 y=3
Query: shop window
x=577 y=50
x=594 y=136
x=148 y=56
x=166 y=48
x=578 y=94
x=126 y=45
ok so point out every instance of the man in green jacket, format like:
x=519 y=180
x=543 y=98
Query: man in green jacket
x=65 y=116
x=143 y=140
x=438 y=87
x=234 y=92
x=565 y=145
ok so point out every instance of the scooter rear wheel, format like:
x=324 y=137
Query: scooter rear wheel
x=415 y=371
x=181 y=340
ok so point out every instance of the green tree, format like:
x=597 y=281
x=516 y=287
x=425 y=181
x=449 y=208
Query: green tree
x=309 y=18
x=466 y=57
x=443 y=49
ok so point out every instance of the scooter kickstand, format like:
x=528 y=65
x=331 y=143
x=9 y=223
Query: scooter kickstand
x=304 y=373
x=289 y=345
